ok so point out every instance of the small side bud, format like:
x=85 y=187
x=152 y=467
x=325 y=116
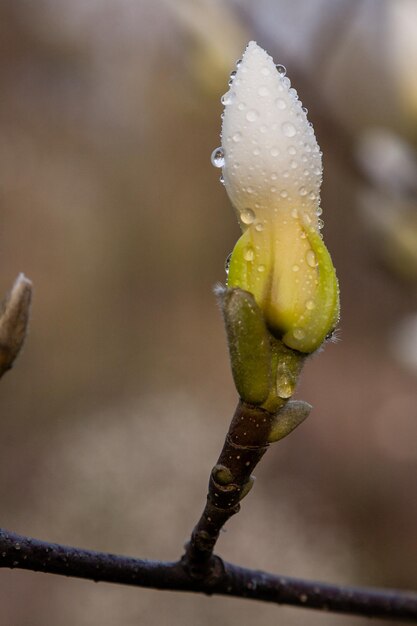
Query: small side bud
x=14 y=318
x=222 y=475
x=288 y=418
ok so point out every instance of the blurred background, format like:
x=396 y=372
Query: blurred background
x=118 y=406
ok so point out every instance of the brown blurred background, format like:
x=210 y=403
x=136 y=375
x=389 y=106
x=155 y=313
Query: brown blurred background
x=118 y=406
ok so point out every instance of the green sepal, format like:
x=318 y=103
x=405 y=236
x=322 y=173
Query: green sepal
x=249 y=345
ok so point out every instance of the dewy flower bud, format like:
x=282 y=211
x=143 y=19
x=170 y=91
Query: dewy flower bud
x=272 y=172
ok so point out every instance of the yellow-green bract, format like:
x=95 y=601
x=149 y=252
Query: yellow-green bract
x=272 y=173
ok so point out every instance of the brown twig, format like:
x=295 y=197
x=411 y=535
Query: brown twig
x=230 y=480
x=17 y=551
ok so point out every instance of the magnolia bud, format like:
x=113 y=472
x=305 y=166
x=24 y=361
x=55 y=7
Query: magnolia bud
x=272 y=172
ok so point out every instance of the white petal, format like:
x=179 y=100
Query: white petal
x=272 y=159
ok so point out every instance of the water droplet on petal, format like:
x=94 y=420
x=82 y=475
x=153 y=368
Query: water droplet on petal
x=288 y=129
x=274 y=152
x=311 y=258
x=302 y=191
x=319 y=210
x=281 y=104
x=227 y=98
x=252 y=115
x=232 y=77
x=238 y=62
x=227 y=263
x=284 y=193
x=237 y=137
x=320 y=224
x=285 y=387
x=263 y=91
x=310 y=305
x=294 y=213
x=217 y=157
x=281 y=69
x=295 y=268
x=249 y=254
x=298 y=333
x=247 y=216
x=265 y=71
x=261 y=268
x=305 y=110
x=259 y=227
x=221 y=179
x=292 y=150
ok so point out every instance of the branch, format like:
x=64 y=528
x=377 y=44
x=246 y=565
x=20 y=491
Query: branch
x=17 y=551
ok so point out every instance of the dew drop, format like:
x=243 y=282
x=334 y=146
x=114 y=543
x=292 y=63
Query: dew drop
x=284 y=193
x=249 y=189
x=293 y=164
x=320 y=224
x=305 y=110
x=263 y=128
x=311 y=258
x=294 y=213
x=274 y=152
x=302 y=191
x=273 y=176
x=227 y=98
x=288 y=129
x=247 y=216
x=259 y=227
x=319 y=211
x=217 y=157
x=232 y=77
x=256 y=152
x=310 y=305
x=227 y=263
x=293 y=93
x=261 y=268
x=298 y=333
x=292 y=150
x=281 y=69
x=263 y=92
x=221 y=179
x=281 y=104
x=237 y=137
x=265 y=71
x=249 y=254
x=312 y=195
x=238 y=62
x=252 y=115
x=241 y=106
x=286 y=81
x=285 y=388
x=295 y=268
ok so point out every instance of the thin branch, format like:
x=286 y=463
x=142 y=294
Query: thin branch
x=17 y=551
